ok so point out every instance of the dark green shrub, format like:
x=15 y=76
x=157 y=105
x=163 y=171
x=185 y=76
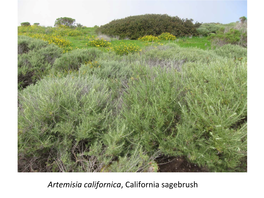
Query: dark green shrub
x=243 y=19
x=25 y=24
x=75 y=58
x=37 y=24
x=64 y=21
x=233 y=36
x=134 y=27
x=78 y=25
x=35 y=64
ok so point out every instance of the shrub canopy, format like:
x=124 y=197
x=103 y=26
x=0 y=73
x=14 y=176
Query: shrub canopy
x=134 y=27
x=64 y=21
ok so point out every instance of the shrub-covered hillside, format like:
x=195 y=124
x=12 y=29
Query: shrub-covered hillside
x=134 y=27
x=95 y=103
x=120 y=113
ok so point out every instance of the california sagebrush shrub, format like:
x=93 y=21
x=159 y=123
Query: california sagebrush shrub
x=25 y=44
x=173 y=52
x=75 y=131
x=231 y=51
x=212 y=131
x=57 y=117
x=74 y=59
x=151 y=110
x=105 y=69
x=35 y=64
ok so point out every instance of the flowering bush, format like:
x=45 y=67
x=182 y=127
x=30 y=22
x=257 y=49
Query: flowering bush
x=124 y=49
x=99 y=43
x=148 y=38
x=166 y=36
x=61 y=42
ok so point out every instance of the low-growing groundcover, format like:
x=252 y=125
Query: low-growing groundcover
x=114 y=113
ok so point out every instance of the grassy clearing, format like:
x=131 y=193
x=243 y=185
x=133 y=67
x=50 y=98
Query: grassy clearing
x=80 y=38
x=199 y=42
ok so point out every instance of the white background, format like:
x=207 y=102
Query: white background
x=14 y=184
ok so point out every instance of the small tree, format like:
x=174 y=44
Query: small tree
x=64 y=21
x=79 y=25
x=37 y=24
x=243 y=19
x=25 y=24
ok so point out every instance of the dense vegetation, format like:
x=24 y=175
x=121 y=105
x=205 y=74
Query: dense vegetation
x=103 y=104
x=134 y=27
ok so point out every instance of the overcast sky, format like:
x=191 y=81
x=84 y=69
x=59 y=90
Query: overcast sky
x=99 y=12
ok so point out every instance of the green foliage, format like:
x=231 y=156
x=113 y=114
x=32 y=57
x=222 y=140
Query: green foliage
x=35 y=60
x=99 y=43
x=211 y=133
x=25 y=24
x=60 y=118
x=203 y=31
x=79 y=25
x=172 y=52
x=73 y=60
x=107 y=69
x=135 y=27
x=149 y=38
x=233 y=36
x=151 y=108
x=37 y=24
x=104 y=112
x=208 y=28
x=64 y=21
x=166 y=36
x=34 y=29
x=25 y=44
x=243 y=19
x=231 y=51
x=125 y=49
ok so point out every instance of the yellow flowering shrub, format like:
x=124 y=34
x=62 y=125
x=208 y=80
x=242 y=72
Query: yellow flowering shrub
x=66 y=32
x=148 y=38
x=124 y=49
x=99 y=43
x=30 y=29
x=61 y=42
x=167 y=36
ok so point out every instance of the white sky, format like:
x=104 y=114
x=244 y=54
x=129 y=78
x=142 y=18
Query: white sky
x=100 y=12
